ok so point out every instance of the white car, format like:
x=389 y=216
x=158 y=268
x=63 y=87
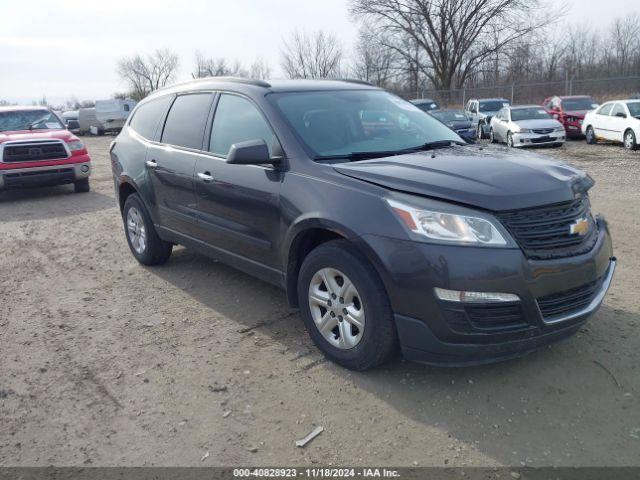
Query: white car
x=526 y=126
x=617 y=121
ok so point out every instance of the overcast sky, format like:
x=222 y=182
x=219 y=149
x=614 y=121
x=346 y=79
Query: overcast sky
x=71 y=47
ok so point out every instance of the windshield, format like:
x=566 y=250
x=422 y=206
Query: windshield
x=335 y=123
x=450 y=116
x=533 y=113
x=579 y=104
x=493 y=105
x=426 y=105
x=29 y=120
x=634 y=108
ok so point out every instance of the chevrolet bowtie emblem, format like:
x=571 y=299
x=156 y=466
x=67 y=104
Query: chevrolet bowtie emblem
x=579 y=227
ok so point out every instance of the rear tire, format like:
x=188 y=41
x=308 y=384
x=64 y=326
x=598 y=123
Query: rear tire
x=143 y=240
x=479 y=133
x=492 y=136
x=630 y=140
x=590 y=136
x=81 y=186
x=319 y=277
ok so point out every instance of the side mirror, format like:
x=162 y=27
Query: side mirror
x=251 y=152
x=621 y=115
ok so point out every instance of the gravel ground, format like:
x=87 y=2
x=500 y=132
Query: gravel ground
x=105 y=362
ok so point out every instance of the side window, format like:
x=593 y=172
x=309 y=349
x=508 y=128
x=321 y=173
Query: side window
x=618 y=108
x=237 y=120
x=148 y=115
x=186 y=120
x=126 y=107
x=605 y=109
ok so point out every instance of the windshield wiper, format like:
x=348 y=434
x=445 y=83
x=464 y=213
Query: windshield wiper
x=431 y=146
x=390 y=153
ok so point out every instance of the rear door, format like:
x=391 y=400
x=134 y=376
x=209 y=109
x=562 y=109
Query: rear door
x=171 y=162
x=239 y=205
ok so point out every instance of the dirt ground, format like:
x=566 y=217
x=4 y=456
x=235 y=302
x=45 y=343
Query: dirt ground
x=105 y=362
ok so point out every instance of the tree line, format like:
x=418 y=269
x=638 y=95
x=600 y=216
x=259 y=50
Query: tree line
x=411 y=45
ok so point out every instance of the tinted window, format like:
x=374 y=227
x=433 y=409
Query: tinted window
x=618 y=108
x=146 y=117
x=493 y=105
x=186 y=120
x=338 y=123
x=237 y=120
x=535 y=113
x=574 y=104
x=605 y=109
x=634 y=108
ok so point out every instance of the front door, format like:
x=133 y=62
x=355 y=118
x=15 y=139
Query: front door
x=239 y=205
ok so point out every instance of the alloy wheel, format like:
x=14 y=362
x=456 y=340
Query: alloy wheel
x=628 y=141
x=336 y=308
x=136 y=230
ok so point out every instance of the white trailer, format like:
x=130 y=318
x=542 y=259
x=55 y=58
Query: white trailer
x=112 y=114
x=87 y=119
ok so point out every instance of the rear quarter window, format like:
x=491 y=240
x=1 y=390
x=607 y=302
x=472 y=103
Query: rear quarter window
x=146 y=118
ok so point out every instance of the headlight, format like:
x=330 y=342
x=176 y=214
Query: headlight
x=525 y=130
x=559 y=129
x=448 y=227
x=75 y=145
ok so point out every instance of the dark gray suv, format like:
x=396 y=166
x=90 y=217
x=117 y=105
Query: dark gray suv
x=378 y=221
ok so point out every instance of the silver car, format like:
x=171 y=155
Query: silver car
x=526 y=126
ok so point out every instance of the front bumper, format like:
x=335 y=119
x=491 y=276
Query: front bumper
x=538 y=140
x=44 y=176
x=574 y=129
x=436 y=332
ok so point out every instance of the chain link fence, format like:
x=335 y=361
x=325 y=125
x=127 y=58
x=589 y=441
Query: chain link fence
x=601 y=89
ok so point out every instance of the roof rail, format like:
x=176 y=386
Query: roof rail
x=353 y=80
x=248 y=81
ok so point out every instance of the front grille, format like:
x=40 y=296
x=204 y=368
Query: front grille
x=542 y=139
x=543 y=131
x=563 y=303
x=545 y=232
x=35 y=151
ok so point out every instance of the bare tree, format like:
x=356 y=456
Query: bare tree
x=624 y=39
x=260 y=69
x=217 y=67
x=373 y=61
x=453 y=36
x=145 y=74
x=311 y=55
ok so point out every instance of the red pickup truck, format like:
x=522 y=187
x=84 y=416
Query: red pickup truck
x=36 y=150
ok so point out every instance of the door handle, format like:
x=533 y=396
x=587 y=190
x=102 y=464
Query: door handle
x=205 y=177
x=151 y=164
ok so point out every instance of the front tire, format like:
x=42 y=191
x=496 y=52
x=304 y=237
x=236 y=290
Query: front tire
x=143 y=240
x=630 y=140
x=345 y=307
x=590 y=136
x=81 y=186
x=510 y=140
x=492 y=136
x=479 y=133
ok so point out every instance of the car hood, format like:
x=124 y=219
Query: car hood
x=491 y=178
x=23 y=135
x=539 y=123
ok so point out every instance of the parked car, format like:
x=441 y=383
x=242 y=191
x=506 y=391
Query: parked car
x=70 y=119
x=480 y=111
x=112 y=114
x=457 y=121
x=617 y=121
x=526 y=126
x=570 y=111
x=426 y=104
x=37 y=150
x=405 y=237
